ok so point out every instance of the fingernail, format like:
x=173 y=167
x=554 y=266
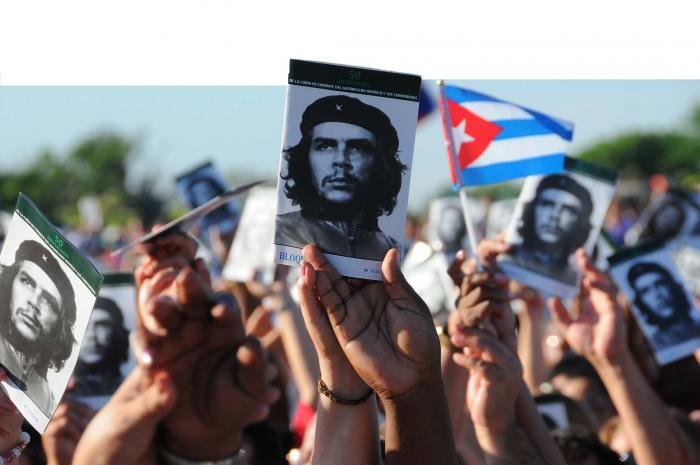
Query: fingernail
x=302 y=271
x=146 y=358
x=457 y=339
x=460 y=254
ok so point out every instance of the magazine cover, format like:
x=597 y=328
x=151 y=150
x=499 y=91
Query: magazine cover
x=252 y=251
x=48 y=291
x=661 y=302
x=202 y=184
x=347 y=147
x=555 y=215
x=104 y=359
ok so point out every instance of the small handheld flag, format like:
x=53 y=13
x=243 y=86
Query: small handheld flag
x=491 y=141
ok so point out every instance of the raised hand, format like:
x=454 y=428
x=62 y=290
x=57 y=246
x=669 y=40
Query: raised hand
x=598 y=332
x=64 y=431
x=384 y=328
x=495 y=378
x=221 y=375
x=123 y=431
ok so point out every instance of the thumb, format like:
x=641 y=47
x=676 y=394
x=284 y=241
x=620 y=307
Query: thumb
x=156 y=401
x=394 y=281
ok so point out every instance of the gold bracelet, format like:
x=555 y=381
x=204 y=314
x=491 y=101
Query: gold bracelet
x=323 y=389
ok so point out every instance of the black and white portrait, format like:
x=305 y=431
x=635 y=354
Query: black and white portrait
x=555 y=215
x=344 y=174
x=104 y=358
x=670 y=216
x=46 y=304
x=36 y=321
x=202 y=184
x=662 y=304
x=104 y=349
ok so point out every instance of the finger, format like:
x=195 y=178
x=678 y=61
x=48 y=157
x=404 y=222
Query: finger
x=455 y=269
x=155 y=402
x=396 y=285
x=332 y=290
x=315 y=318
x=250 y=376
x=489 y=250
x=194 y=295
x=560 y=315
x=484 y=345
x=162 y=315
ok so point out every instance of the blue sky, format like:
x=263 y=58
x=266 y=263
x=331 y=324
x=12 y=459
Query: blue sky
x=240 y=127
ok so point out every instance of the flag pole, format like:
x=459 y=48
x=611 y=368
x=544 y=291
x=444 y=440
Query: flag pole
x=464 y=199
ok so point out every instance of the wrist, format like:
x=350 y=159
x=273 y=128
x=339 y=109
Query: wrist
x=612 y=364
x=345 y=382
x=493 y=439
x=417 y=395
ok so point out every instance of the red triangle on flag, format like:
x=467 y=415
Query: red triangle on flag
x=471 y=133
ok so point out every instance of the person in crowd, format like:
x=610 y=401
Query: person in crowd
x=599 y=334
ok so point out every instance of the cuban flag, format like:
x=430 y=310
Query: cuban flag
x=496 y=141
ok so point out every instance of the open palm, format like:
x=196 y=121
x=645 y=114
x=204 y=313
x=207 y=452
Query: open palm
x=384 y=328
x=598 y=332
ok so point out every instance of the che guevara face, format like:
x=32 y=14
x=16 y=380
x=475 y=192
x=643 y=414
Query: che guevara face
x=556 y=215
x=35 y=302
x=341 y=157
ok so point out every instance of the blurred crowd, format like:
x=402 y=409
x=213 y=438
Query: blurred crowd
x=444 y=361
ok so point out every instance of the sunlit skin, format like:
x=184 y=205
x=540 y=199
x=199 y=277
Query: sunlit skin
x=556 y=214
x=655 y=291
x=98 y=337
x=341 y=157
x=35 y=302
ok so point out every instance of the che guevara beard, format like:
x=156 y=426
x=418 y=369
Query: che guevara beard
x=359 y=211
x=30 y=349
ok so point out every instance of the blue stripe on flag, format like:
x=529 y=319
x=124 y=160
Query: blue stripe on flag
x=460 y=95
x=500 y=172
x=520 y=128
x=562 y=128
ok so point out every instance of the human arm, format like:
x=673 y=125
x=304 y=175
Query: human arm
x=599 y=334
x=388 y=336
x=484 y=304
x=221 y=376
x=345 y=434
x=495 y=383
x=123 y=431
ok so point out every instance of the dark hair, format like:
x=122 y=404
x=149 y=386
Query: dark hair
x=583 y=225
x=677 y=292
x=665 y=231
x=385 y=182
x=119 y=345
x=59 y=343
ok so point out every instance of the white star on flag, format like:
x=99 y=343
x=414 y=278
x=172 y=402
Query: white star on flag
x=460 y=136
x=43 y=257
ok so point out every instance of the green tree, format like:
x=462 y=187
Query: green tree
x=675 y=154
x=97 y=166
